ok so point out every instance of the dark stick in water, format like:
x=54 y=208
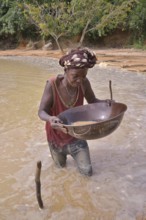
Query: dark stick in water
x=38 y=184
x=110 y=87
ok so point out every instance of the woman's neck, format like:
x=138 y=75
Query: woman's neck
x=68 y=84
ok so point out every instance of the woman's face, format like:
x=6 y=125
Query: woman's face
x=76 y=76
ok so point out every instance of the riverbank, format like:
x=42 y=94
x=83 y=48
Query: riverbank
x=130 y=59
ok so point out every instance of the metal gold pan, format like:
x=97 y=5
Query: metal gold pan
x=102 y=119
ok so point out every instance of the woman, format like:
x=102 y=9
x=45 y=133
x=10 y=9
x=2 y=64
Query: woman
x=64 y=92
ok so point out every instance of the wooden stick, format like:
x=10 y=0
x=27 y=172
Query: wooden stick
x=38 y=184
x=110 y=87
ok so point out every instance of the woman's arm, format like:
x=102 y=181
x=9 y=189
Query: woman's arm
x=45 y=106
x=46 y=103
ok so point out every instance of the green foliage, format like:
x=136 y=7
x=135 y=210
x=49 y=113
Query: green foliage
x=12 y=19
x=116 y=16
x=58 y=18
x=137 y=21
x=51 y=18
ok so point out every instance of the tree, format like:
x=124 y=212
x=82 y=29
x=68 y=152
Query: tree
x=137 y=21
x=117 y=17
x=13 y=21
x=68 y=18
x=11 y=17
x=53 y=18
x=100 y=16
x=85 y=14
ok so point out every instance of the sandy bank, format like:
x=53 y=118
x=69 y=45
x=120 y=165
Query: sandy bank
x=130 y=59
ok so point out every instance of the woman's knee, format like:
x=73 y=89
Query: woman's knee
x=58 y=157
x=87 y=171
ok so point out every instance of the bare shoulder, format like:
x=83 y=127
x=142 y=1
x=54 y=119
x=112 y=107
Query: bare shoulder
x=47 y=98
x=48 y=86
x=48 y=91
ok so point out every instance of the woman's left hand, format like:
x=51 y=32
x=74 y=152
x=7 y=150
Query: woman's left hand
x=109 y=101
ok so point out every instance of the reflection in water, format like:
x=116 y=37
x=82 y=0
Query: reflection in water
x=117 y=189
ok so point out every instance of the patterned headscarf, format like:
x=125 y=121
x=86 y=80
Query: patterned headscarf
x=78 y=58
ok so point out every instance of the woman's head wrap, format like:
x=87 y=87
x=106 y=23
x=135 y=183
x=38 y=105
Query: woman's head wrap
x=78 y=58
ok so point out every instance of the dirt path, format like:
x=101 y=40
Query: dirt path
x=130 y=59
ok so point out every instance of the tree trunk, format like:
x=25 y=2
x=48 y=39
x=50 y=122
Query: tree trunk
x=84 y=33
x=59 y=46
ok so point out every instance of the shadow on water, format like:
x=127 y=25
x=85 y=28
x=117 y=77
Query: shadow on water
x=117 y=189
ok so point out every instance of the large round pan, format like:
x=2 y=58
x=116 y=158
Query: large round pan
x=102 y=119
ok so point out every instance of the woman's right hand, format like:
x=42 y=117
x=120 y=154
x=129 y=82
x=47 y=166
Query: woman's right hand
x=54 y=119
x=56 y=123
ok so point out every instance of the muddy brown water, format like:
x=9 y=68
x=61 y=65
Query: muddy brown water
x=117 y=189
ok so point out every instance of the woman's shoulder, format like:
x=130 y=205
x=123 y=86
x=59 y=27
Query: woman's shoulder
x=56 y=79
